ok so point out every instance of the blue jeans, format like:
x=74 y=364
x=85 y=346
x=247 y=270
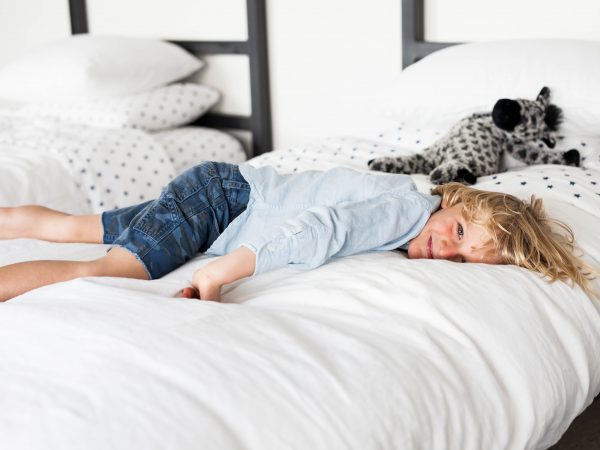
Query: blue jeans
x=187 y=217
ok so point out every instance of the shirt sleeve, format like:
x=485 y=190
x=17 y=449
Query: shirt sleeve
x=323 y=232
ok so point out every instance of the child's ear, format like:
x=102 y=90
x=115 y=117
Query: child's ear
x=444 y=204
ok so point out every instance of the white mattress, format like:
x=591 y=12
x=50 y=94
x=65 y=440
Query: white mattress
x=368 y=352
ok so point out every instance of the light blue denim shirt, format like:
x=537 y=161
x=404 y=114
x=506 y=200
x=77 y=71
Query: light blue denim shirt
x=303 y=220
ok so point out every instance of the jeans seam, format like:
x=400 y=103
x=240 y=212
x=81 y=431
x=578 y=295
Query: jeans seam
x=109 y=236
x=208 y=206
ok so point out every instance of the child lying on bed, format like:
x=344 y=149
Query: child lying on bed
x=260 y=220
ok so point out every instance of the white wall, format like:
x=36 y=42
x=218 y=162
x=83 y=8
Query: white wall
x=330 y=59
x=481 y=20
x=327 y=58
x=27 y=23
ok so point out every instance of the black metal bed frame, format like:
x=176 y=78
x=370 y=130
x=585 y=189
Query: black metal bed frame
x=414 y=45
x=259 y=122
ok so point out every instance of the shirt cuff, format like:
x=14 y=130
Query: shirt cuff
x=270 y=255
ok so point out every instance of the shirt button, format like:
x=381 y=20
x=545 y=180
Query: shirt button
x=271 y=247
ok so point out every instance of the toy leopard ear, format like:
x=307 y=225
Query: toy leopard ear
x=544 y=96
x=552 y=114
x=553 y=117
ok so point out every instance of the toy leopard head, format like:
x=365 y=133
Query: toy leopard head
x=528 y=119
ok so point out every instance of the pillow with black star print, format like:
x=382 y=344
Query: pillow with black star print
x=162 y=108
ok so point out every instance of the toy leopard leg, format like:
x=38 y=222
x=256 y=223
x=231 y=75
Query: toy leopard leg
x=402 y=164
x=452 y=171
x=533 y=154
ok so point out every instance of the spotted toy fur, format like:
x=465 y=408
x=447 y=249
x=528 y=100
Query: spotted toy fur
x=473 y=147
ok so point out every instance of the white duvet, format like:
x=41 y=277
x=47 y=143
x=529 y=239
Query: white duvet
x=368 y=352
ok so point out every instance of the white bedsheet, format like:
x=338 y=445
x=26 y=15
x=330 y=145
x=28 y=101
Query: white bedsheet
x=32 y=178
x=80 y=169
x=76 y=168
x=368 y=352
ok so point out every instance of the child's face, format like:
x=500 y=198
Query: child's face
x=447 y=235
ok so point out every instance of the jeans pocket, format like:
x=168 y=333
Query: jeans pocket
x=159 y=219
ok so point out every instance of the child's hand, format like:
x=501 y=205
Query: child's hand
x=206 y=285
x=208 y=280
x=203 y=288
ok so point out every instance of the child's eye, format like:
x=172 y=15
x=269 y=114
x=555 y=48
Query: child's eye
x=460 y=231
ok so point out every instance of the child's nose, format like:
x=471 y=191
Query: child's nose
x=448 y=250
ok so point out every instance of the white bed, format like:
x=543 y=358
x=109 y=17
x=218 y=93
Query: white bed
x=371 y=351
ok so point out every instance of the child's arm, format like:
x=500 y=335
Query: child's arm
x=323 y=232
x=231 y=267
x=317 y=235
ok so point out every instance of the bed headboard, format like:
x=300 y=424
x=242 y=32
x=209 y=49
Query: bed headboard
x=414 y=46
x=255 y=47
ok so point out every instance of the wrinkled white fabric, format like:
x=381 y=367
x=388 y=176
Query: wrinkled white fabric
x=371 y=351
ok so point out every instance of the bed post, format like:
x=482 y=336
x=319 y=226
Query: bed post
x=412 y=29
x=414 y=46
x=260 y=120
x=78 y=13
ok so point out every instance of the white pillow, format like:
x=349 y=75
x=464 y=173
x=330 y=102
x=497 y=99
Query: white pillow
x=165 y=107
x=459 y=80
x=85 y=67
x=188 y=146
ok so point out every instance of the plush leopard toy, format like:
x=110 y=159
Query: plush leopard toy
x=473 y=147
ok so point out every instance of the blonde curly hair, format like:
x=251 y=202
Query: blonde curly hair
x=522 y=234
